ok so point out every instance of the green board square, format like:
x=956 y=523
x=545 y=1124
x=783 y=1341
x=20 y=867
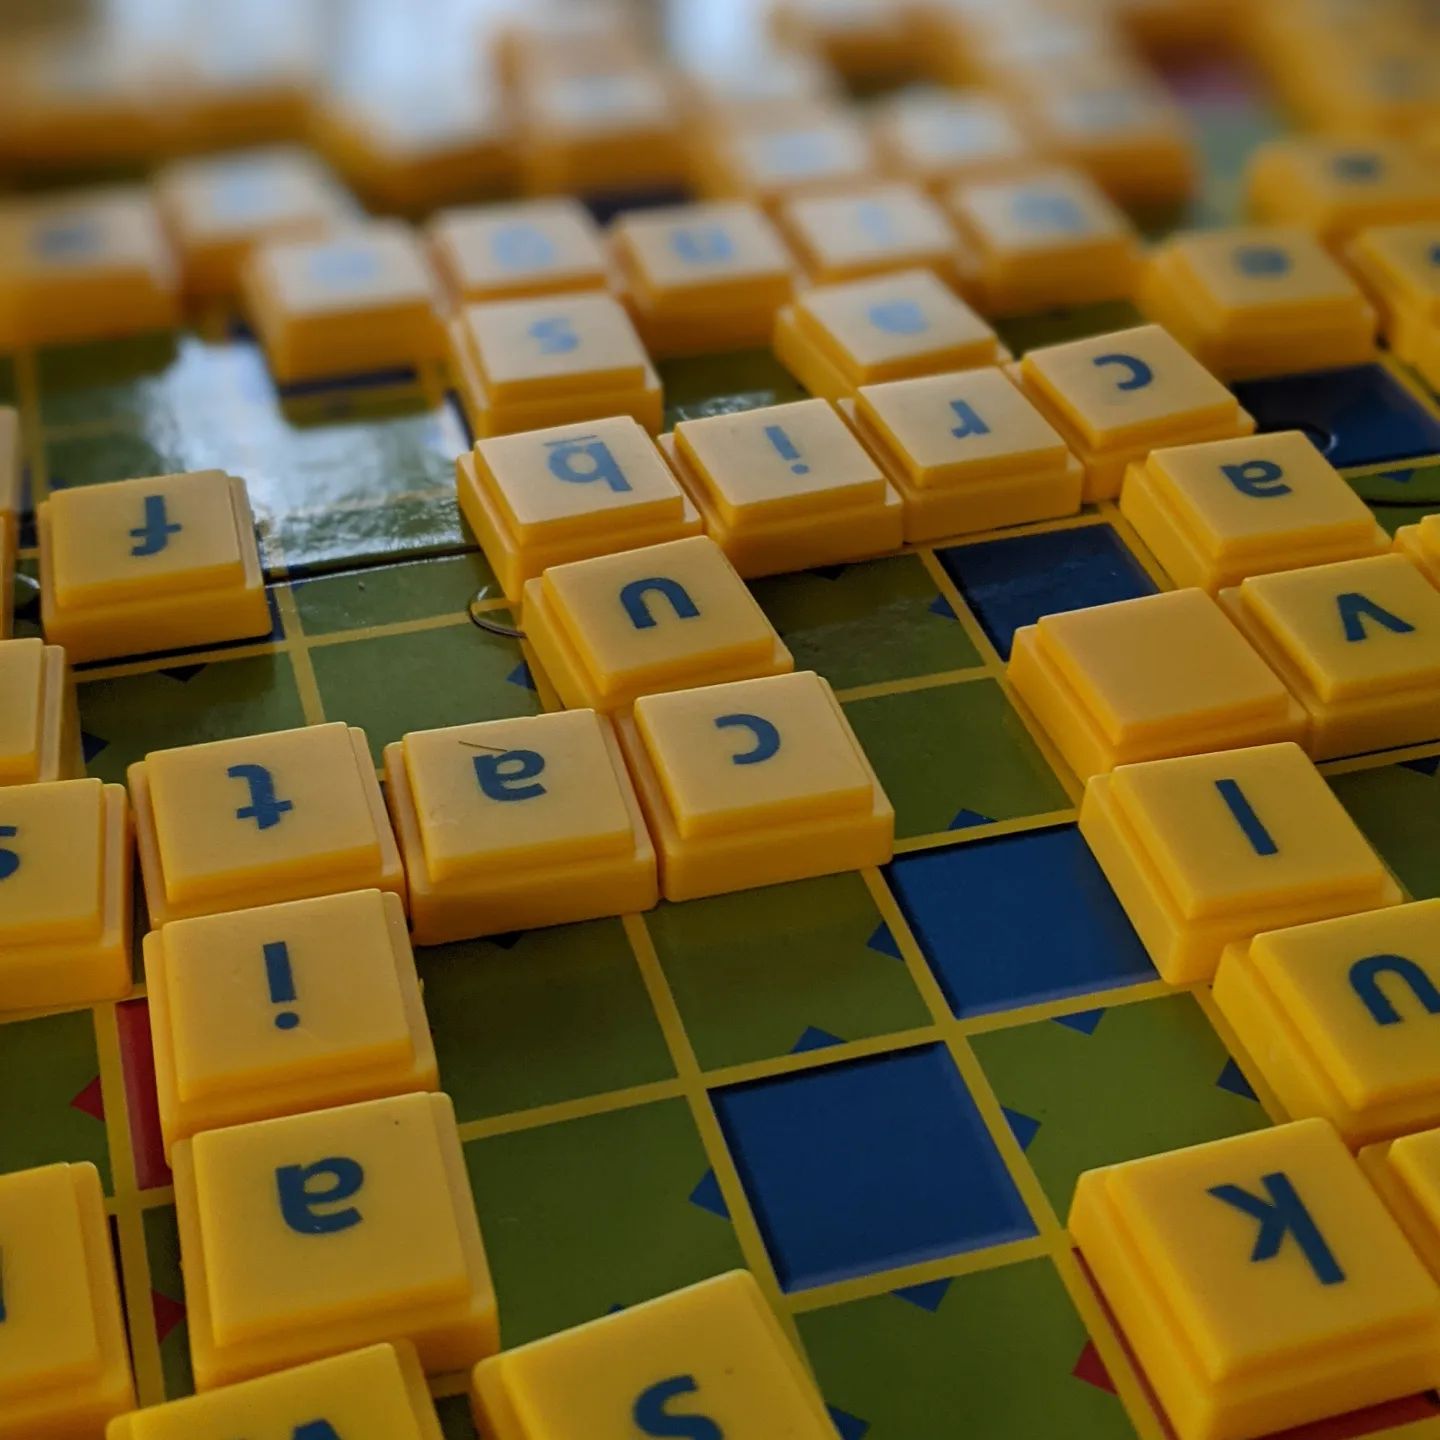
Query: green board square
x=388 y=594
x=1057 y=327
x=766 y=972
x=700 y=385
x=594 y=1213
x=952 y=756
x=546 y=1016
x=167 y=1284
x=424 y=680
x=455 y=1421
x=999 y=1348
x=49 y=1075
x=1076 y=1080
x=1398 y=808
x=867 y=624
x=131 y=715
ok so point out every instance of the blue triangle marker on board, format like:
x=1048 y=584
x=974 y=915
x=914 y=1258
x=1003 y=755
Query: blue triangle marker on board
x=849 y=1427
x=1426 y=765
x=814 y=1038
x=1024 y=1127
x=708 y=1197
x=91 y=745
x=883 y=940
x=1232 y=1078
x=1084 y=1021
x=927 y=1296
x=521 y=676
x=966 y=819
x=942 y=607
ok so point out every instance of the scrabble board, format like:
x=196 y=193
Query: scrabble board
x=874 y=1090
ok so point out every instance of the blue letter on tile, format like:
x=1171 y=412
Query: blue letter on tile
x=554 y=335
x=652 y=1418
x=315 y=1430
x=1262 y=260
x=300 y=1205
x=9 y=860
x=154 y=535
x=1355 y=607
x=1259 y=479
x=521 y=245
x=970 y=423
x=1365 y=980
x=1246 y=818
x=510 y=783
x=1282 y=1214
x=767 y=737
x=1137 y=373
x=264 y=809
x=632 y=597
x=898 y=317
x=698 y=243
x=582 y=460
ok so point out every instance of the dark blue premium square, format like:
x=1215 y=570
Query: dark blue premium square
x=869 y=1165
x=1361 y=415
x=1013 y=582
x=1018 y=920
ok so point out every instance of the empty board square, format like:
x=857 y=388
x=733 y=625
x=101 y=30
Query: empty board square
x=391 y=594
x=1397 y=807
x=1096 y=1087
x=167 y=1300
x=586 y=1216
x=1017 y=920
x=515 y=1018
x=1360 y=415
x=784 y=969
x=869 y=1165
x=1013 y=582
x=954 y=756
x=867 y=624
x=1005 y=1348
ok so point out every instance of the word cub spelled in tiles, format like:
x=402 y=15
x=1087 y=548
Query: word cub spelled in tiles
x=254 y=821
x=611 y=629
x=314 y=1234
x=753 y=783
x=64 y=1363
x=1205 y=850
x=282 y=1009
x=512 y=824
x=1260 y=1281
x=706 y=1362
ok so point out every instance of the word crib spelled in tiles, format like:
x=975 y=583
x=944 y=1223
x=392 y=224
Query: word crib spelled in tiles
x=314 y=1234
x=64 y=1362
x=253 y=821
x=1260 y=1280
x=282 y=1009
x=511 y=824
x=707 y=1361
x=153 y=564
x=378 y=1393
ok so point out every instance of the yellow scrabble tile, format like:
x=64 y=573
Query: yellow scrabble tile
x=1213 y=514
x=760 y=84
x=1126 y=133
x=941 y=137
x=611 y=629
x=310 y=1235
x=546 y=497
x=1203 y=850
x=835 y=338
x=11 y=480
x=523 y=248
x=378 y=1393
x=846 y=234
x=785 y=487
x=9 y=545
x=551 y=360
x=85 y=265
x=597 y=128
x=236 y=823
x=115 y=558
x=1116 y=397
x=556 y=32
x=39 y=724
x=860 y=38
x=216 y=209
x=282 y=1009
x=1420 y=544
x=64 y=1364
x=65 y=893
x=752 y=783
x=512 y=824
x=1357 y=642
x=1264 y=300
x=1142 y=679
x=1399 y=267
x=361 y=300
x=1043 y=239
x=966 y=452
x=707 y=1361
x=1336 y=1017
x=702 y=277
x=1406 y=1172
x=1260 y=1281
x=1338 y=186
x=766 y=161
